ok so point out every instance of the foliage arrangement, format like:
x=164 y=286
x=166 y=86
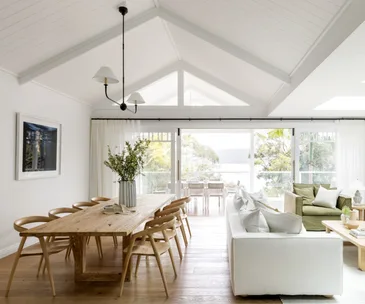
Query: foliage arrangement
x=130 y=162
x=346 y=210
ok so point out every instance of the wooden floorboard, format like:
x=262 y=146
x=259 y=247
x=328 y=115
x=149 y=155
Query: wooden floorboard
x=203 y=275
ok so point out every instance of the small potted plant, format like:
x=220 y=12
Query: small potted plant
x=127 y=165
x=345 y=216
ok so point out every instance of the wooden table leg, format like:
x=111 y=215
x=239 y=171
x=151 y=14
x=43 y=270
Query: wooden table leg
x=79 y=250
x=361 y=258
x=46 y=260
x=126 y=242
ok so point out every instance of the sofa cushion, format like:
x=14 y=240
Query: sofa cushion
x=283 y=222
x=326 y=198
x=253 y=221
x=306 y=193
x=315 y=186
x=239 y=200
x=320 y=211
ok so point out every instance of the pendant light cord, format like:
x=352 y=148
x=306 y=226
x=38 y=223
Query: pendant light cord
x=123 y=59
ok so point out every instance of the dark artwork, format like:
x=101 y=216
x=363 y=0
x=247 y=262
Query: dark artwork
x=39 y=148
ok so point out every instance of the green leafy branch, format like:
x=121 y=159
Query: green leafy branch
x=130 y=162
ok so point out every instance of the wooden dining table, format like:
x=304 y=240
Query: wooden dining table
x=93 y=222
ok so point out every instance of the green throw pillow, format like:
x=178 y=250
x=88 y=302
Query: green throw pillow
x=306 y=193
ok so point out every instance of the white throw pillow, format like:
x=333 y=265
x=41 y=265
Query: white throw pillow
x=283 y=222
x=326 y=198
x=253 y=221
x=239 y=200
x=249 y=204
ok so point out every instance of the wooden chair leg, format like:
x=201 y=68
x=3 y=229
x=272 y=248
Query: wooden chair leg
x=46 y=259
x=182 y=229
x=137 y=264
x=40 y=266
x=17 y=257
x=88 y=240
x=188 y=224
x=100 y=248
x=172 y=261
x=162 y=274
x=115 y=240
x=178 y=246
x=125 y=270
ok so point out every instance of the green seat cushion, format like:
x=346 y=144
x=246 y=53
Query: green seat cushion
x=320 y=211
x=306 y=193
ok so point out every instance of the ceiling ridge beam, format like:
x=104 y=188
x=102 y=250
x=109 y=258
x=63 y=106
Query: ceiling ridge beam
x=84 y=47
x=347 y=19
x=223 y=44
x=212 y=80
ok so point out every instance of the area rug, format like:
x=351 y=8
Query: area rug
x=353 y=284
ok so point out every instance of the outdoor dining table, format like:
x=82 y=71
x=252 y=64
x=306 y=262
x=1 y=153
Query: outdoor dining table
x=93 y=222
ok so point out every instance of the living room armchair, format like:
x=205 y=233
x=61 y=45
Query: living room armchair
x=313 y=215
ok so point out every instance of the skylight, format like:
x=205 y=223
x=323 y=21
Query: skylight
x=343 y=103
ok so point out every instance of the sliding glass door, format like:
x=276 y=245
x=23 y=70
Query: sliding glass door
x=315 y=156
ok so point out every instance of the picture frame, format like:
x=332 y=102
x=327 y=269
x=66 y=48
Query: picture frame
x=38 y=147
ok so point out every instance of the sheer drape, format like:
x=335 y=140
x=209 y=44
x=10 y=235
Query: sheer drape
x=350 y=155
x=104 y=133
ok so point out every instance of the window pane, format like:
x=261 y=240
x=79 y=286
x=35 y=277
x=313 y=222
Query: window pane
x=163 y=92
x=317 y=157
x=200 y=93
x=273 y=166
x=216 y=155
x=156 y=175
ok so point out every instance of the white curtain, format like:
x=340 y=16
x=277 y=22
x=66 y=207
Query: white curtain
x=104 y=133
x=350 y=155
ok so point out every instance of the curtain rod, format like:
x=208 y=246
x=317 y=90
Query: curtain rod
x=240 y=119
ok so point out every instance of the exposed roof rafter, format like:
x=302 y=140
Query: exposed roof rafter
x=84 y=47
x=166 y=16
x=342 y=25
x=223 y=44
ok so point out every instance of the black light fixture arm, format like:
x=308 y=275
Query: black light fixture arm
x=106 y=94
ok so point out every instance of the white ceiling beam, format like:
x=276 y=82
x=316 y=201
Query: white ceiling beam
x=250 y=100
x=223 y=44
x=349 y=17
x=84 y=47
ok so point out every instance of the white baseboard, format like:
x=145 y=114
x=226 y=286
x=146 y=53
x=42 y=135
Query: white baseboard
x=13 y=248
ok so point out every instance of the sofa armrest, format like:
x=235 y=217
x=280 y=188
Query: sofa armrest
x=343 y=201
x=293 y=203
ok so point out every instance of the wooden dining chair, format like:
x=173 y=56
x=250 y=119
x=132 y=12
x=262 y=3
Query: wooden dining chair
x=147 y=246
x=97 y=199
x=82 y=206
x=180 y=223
x=170 y=233
x=184 y=215
x=37 y=249
x=56 y=214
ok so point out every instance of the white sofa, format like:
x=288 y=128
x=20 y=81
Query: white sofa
x=309 y=263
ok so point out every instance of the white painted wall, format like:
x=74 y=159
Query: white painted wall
x=36 y=197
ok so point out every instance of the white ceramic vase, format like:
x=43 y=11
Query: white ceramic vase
x=127 y=193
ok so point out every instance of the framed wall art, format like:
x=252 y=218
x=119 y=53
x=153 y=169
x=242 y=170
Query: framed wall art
x=38 y=148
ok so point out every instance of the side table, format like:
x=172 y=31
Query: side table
x=361 y=209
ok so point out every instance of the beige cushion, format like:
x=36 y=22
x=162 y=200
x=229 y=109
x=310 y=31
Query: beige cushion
x=253 y=221
x=283 y=222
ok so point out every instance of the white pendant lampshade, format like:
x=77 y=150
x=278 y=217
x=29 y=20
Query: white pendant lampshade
x=136 y=98
x=105 y=73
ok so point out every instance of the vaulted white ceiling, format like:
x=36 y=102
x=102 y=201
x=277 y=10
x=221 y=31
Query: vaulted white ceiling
x=258 y=51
